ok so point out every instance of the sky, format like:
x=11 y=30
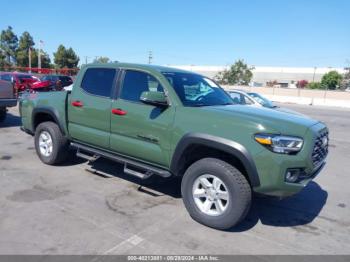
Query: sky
x=295 y=33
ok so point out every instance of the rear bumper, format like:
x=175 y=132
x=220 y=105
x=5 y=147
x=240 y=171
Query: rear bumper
x=8 y=102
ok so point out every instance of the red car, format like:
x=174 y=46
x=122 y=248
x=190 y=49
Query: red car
x=24 y=81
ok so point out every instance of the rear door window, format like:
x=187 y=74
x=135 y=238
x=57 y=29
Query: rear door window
x=99 y=81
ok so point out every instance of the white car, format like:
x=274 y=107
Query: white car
x=243 y=98
x=254 y=99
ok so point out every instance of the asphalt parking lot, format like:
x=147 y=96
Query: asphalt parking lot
x=69 y=210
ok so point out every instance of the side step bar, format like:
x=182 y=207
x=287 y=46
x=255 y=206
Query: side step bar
x=90 y=158
x=131 y=167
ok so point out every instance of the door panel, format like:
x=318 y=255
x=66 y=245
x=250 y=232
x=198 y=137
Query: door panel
x=89 y=107
x=143 y=132
x=90 y=123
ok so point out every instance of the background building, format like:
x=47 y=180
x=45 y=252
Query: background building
x=284 y=76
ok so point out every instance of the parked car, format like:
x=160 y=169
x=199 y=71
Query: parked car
x=60 y=81
x=7 y=97
x=262 y=100
x=242 y=98
x=24 y=82
x=168 y=122
x=255 y=99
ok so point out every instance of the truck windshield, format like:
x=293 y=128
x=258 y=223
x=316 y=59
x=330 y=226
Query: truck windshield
x=195 y=90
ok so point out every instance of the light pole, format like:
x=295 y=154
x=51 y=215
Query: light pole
x=39 y=56
x=30 y=59
x=313 y=78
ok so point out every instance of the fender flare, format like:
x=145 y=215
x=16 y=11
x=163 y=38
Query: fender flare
x=233 y=148
x=49 y=111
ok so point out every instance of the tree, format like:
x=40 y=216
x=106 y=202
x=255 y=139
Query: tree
x=3 y=60
x=60 y=56
x=331 y=80
x=22 y=54
x=239 y=73
x=346 y=79
x=102 y=60
x=72 y=58
x=65 y=57
x=45 y=59
x=9 y=44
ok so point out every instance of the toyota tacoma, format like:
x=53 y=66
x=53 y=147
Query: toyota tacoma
x=169 y=122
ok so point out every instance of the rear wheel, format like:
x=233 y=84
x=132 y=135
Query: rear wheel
x=50 y=144
x=2 y=114
x=215 y=193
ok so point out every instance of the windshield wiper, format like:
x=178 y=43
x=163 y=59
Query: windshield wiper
x=200 y=105
x=226 y=104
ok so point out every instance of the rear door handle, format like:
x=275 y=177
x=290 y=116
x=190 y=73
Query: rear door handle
x=77 y=104
x=118 y=111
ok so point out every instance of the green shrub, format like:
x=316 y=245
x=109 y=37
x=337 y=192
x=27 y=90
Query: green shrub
x=314 y=85
x=332 y=80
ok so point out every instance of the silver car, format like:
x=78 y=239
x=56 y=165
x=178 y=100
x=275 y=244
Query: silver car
x=254 y=99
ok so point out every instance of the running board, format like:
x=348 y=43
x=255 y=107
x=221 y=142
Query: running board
x=90 y=158
x=139 y=174
x=132 y=167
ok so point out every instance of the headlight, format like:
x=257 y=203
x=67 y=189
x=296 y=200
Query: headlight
x=280 y=144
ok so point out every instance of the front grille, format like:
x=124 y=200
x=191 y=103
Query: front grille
x=320 y=150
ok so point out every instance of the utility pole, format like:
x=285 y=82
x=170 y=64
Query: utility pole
x=39 y=56
x=30 y=59
x=150 y=57
x=86 y=60
x=313 y=78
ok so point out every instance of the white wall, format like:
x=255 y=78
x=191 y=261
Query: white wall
x=263 y=74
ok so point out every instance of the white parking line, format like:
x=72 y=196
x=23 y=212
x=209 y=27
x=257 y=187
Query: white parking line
x=134 y=240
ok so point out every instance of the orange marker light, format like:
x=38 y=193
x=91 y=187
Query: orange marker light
x=264 y=140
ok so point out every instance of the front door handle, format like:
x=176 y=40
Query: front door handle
x=118 y=111
x=77 y=104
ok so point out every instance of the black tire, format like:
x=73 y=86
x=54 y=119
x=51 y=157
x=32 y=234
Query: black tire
x=59 y=142
x=239 y=191
x=2 y=114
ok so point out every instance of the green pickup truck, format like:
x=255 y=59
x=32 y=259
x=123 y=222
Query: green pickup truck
x=169 y=122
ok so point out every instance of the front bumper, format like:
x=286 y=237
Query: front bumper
x=272 y=167
x=8 y=102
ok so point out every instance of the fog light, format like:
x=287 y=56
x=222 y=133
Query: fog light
x=292 y=175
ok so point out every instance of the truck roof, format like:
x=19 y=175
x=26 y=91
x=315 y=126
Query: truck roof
x=147 y=67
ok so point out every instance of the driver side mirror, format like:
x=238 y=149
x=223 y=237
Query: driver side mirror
x=154 y=98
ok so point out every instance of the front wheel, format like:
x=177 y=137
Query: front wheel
x=2 y=114
x=215 y=193
x=50 y=144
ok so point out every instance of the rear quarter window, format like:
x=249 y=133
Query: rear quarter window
x=99 y=81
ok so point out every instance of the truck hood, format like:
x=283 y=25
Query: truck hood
x=268 y=119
